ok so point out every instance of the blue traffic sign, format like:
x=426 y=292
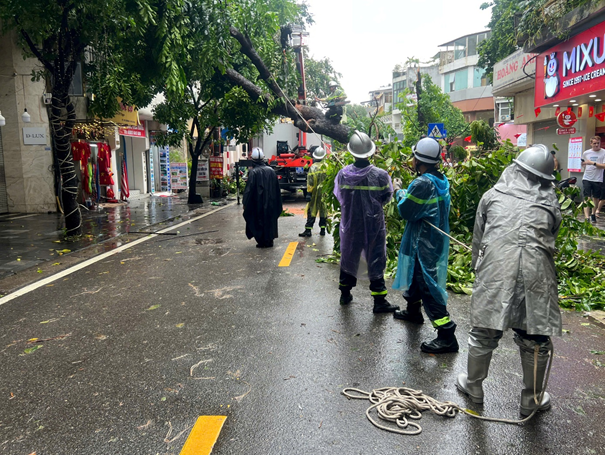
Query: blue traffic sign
x=437 y=130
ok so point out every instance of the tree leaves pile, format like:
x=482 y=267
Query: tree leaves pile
x=581 y=273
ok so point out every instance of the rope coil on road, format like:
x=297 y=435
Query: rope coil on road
x=398 y=404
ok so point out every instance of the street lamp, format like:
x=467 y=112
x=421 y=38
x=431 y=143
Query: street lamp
x=26 y=117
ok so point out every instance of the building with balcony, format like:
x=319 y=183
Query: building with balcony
x=463 y=80
x=404 y=89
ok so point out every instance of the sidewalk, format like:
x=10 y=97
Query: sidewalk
x=27 y=240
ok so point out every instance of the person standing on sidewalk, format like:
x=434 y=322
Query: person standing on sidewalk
x=362 y=190
x=424 y=252
x=262 y=201
x=514 y=237
x=315 y=178
x=593 y=163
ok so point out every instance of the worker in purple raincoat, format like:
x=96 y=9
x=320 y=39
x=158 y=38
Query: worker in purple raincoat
x=363 y=190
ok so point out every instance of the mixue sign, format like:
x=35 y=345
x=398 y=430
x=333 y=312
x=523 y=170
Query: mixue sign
x=573 y=68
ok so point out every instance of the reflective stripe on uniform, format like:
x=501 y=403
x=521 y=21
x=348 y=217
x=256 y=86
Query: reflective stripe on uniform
x=380 y=293
x=365 y=188
x=440 y=322
x=423 y=201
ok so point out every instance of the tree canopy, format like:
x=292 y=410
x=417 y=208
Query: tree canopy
x=431 y=106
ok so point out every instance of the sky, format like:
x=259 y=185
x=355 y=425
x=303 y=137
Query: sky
x=365 y=40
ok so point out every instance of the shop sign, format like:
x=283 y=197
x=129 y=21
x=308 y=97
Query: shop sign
x=561 y=131
x=127 y=115
x=572 y=68
x=514 y=68
x=566 y=119
x=216 y=167
x=574 y=155
x=34 y=136
x=134 y=131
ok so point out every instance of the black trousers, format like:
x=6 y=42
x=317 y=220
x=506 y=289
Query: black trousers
x=311 y=221
x=419 y=291
x=348 y=282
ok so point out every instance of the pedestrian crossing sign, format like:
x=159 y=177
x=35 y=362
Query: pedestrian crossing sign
x=437 y=130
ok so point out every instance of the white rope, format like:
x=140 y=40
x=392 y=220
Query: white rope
x=399 y=404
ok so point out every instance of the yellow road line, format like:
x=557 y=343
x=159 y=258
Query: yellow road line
x=288 y=255
x=203 y=436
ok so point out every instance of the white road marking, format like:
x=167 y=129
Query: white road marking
x=82 y=265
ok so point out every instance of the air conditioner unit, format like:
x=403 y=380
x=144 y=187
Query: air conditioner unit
x=505 y=118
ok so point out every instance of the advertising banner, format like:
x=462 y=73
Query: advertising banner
x=574 y=155
x=203 y=173
x=572 y=68
x=179 y=176
x=216 y=167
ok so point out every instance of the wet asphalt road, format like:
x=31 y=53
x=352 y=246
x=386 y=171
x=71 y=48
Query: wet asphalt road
x=140 y=344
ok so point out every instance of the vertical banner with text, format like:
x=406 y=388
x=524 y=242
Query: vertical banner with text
x=216 y=167
x=574 y=155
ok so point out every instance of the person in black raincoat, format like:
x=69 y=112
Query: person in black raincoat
x=362 y=190
x=262 y=202
x=423 y=256
x=516 y=282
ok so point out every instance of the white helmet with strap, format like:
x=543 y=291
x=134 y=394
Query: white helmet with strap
x=257 y=154
x=427 y=151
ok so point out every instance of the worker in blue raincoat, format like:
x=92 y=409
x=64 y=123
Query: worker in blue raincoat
x=423 y=256
x=363 y=190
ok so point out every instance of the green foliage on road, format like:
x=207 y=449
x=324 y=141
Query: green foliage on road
x=581 y=273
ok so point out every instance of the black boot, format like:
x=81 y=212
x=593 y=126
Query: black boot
x=306 y=233
x=382 y=305
x=411 y=314
x=323 y=231
x=445 y=341
x=345 y=296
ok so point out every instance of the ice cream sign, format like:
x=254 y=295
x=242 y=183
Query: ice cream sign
x=572 y=68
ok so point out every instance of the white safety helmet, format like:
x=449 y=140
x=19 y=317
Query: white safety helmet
x=319 y=153
x=537 y=160
x=257 y=154
x=360 y=145
x=427 y=151
x=333 y=84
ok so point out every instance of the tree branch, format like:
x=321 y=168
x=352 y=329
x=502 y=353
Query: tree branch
x=32 y=47
x=249 y=51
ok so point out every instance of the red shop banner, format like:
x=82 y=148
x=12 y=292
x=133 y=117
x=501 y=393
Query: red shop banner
x=134 y=131
x=216 y=167
x=571 y=69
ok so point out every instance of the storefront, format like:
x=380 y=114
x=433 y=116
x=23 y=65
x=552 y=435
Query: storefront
x=568 y=93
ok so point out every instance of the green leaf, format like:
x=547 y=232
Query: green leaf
x=32 y=349
x=153 y=307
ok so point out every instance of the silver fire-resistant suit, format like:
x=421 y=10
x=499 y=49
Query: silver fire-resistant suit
x=516 y=226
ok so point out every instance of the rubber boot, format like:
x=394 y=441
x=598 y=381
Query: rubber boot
x=345 y=296
x=526 y=349
x=471 y=384
x=322 y=231
x=382 y=305
x=305 y=233
x=445 y=341
x=411 y=314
